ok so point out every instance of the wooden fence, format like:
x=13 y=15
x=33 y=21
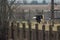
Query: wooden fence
x=17 y=33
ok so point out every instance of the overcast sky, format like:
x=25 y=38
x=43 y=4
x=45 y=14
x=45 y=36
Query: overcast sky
x=41 y=0
x=46 y=0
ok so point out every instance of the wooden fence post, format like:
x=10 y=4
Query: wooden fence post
x=58 y=28
x=12 y=34
x=30 y=29
x=43 y=29
x=18 y=31
x=9 y=31
x=36 y=27
x=50 y=33
x=24 y=32
x=15 y=31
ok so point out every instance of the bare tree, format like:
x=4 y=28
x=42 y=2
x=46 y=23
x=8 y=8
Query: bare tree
x=4 y=23
x=10 y=9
